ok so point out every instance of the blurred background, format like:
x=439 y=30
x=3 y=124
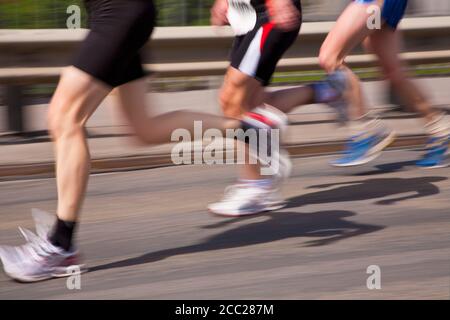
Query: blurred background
x=35 y=43
x=52 y=13
x=160 y=243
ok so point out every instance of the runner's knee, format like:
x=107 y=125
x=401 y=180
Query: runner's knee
x=63 y=119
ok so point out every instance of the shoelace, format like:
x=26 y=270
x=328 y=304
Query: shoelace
x=36 y=247
x=356 y=141
x=233 y=191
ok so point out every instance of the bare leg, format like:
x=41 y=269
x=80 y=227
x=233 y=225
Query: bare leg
x=240 y=93
x=76 y=98
x=150 y=129
x=386 y=45
x=349 y=31
x=355 y=96
x=288 y=99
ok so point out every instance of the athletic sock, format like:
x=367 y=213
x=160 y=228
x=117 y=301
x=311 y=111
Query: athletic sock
x=330 y=89
x=366 y=125
x=257 y=124
x=62 y=234
x=264 y=117
x=361 y=124
x=323 y=92
x=438 y=128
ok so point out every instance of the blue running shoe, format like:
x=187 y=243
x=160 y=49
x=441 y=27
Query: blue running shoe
x=435 y=155
x=364 y=148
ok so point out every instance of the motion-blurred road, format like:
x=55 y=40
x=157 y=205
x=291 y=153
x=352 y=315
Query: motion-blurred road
x=147 y=234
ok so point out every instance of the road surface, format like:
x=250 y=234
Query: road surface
x=146 y=234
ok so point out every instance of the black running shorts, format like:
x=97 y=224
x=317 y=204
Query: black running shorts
x=257 y=52
x=118 y=31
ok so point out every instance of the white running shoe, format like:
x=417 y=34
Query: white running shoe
x=38 y=259
x=244 y=200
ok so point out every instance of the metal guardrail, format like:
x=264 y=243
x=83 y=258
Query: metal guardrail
x=37 y=56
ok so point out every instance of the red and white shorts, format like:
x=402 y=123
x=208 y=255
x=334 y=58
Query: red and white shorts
x=257 y=52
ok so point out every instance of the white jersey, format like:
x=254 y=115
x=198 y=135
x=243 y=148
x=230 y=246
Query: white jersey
x=242 y=16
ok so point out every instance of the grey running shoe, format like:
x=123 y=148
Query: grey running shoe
x=38 y=259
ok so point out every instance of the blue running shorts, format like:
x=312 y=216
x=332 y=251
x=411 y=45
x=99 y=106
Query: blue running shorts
x=392 y=12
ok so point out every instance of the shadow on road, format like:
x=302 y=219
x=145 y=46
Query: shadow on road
x=388 y=168
x=325 y=227
x=370 y=189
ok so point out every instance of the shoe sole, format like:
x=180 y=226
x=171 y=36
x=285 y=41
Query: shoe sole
x=270 y=208
x=25 y=279
x=62 y=272
x=374 y=153
x=439 y=166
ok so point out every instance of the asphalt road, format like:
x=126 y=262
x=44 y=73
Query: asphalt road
x=146 y=234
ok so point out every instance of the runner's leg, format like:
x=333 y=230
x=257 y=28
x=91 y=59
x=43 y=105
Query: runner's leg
x=368 y=137
x=386 y=45
x=131 y=99
x=77 y=96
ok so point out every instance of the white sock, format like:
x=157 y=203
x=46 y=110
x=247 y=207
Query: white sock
x=438 y=127
x=364 y=125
